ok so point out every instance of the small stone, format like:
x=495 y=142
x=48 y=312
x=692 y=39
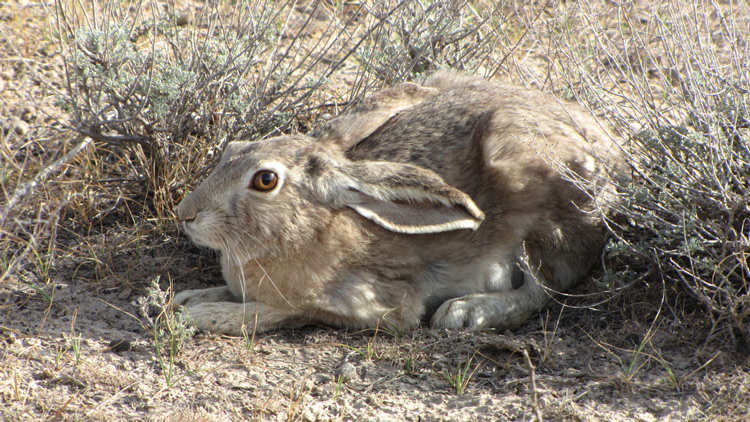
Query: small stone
x=436 y=399
x=15 y=125
x=642 y=18
x=644 y=417
x=182 y=19
x=347 y=371
x=120 y=345
x=125 y=293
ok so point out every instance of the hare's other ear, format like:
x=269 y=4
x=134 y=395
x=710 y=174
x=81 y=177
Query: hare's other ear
x=361 y=121
x=402 y=198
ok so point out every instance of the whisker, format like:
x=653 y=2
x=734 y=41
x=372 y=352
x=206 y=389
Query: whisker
x=243 y=281
x=242 y=229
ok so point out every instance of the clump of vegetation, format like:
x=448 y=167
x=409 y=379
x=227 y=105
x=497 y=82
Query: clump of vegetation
x=419 y=37
x=169 y=328
x=679 y=93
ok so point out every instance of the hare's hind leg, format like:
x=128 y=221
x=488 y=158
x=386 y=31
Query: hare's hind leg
x=503 y=310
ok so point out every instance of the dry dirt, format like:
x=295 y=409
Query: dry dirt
x=626 y=360
x=585 y=367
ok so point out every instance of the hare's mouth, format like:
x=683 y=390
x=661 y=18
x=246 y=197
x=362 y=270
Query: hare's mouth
x=197 y=236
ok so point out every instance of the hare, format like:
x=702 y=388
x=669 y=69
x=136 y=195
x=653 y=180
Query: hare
x=460 y=202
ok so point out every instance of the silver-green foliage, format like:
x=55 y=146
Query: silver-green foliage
x=169 y=329
x=132 y=87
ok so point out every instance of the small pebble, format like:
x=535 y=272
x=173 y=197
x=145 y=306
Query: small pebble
x=15 y=125
x=182 y=19
x=347 y=371
x=120 y=345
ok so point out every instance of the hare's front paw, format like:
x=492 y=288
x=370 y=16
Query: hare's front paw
x=238 y=319
x=190 y=298
x=217 y=317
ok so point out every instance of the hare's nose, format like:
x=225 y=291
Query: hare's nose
x=186 y=211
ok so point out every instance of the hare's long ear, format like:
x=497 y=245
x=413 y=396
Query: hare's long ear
x=362 y=120
x=402 y=198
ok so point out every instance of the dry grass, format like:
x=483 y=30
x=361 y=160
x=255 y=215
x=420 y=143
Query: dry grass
x=108 y=144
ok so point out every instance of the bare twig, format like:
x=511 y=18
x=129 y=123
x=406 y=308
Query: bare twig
x=534 y=392
x=43 y=175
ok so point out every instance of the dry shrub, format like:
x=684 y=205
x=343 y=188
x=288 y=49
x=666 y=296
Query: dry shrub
x=673 y=78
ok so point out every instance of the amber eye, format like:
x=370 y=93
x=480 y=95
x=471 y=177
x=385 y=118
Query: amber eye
x=264 y=180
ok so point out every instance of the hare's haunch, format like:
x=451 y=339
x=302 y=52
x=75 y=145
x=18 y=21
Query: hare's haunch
x=459 y=202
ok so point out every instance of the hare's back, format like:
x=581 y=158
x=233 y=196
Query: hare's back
x=473 y=125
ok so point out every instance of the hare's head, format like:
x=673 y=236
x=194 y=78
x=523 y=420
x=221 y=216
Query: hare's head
x=267 y=198
x=249 y=204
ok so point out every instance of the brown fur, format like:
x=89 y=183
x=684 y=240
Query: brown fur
x=424 y=203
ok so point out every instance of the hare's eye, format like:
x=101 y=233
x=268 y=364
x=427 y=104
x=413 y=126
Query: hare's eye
x=264 y=181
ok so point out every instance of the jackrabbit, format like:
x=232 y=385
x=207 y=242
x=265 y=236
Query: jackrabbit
x=459 y=202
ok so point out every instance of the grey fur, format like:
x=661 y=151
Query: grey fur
x=461 y=198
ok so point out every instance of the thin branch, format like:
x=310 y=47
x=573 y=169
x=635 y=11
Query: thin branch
x=43 y=175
